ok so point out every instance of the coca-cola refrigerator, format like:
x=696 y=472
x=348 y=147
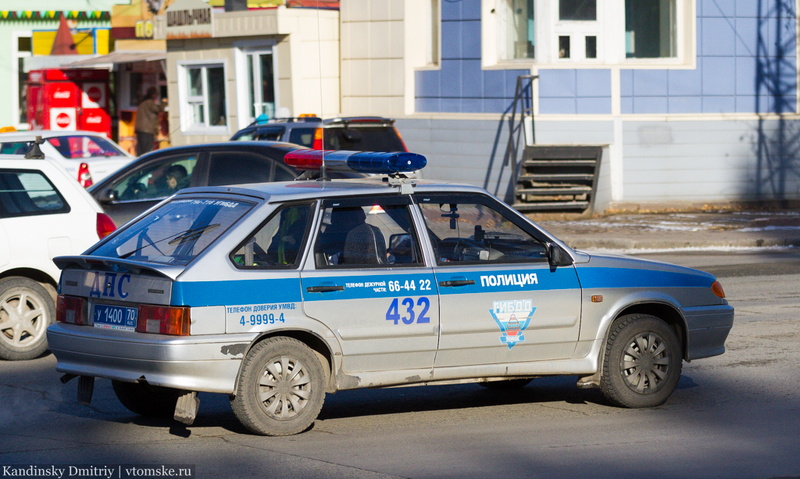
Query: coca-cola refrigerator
x=69 y=100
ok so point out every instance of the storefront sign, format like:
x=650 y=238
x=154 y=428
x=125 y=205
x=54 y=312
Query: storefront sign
x=189 y=19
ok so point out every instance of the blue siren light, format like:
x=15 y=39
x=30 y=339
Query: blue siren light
x=362 y=161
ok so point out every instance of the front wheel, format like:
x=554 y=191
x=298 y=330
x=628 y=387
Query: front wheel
x=26 y=310
x=642 y=362
x=281 y=388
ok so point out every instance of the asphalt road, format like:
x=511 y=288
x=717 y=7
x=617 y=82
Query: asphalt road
x=732 y=416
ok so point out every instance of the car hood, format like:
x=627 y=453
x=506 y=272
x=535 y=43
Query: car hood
x=602 y=269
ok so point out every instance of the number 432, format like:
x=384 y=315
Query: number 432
x=414 y=312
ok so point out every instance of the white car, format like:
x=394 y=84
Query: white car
x=43 y=213
x=87 y=156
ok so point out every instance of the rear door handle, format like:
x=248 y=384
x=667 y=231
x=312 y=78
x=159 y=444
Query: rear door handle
x=456 y=282
x=324 y=288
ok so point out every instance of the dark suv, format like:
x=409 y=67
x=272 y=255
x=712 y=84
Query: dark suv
x=362 y=133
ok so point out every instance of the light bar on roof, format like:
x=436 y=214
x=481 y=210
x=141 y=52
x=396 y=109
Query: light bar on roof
x=362 y=161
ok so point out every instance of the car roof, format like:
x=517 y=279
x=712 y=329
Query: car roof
x=298 y=122
x=31 y=134
x=229 y=145
x=307 y=189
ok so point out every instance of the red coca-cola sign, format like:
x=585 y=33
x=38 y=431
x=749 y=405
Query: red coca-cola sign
x=63 y=120
x=95 y=94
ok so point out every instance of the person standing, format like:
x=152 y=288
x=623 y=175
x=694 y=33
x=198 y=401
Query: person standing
x=147 y=121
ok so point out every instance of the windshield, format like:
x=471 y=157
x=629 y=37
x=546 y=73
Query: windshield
x=175 y=233
x=75 y=147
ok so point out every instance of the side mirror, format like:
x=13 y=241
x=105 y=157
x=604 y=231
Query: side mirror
x=401 y=248
x=107 y=196
x=557 y=256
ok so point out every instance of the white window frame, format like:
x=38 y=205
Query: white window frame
x=432 y=32
x=187 y=124
x=241 y=54
x=16 y=55
x=609 y=28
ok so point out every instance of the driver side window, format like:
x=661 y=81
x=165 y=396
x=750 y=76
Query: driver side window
x=157 y=180
x=463 y=231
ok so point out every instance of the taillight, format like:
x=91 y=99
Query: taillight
x=85 y=176
x=173 y=320
x=105 y=225
x=70 y=309
x=400 y=137
x=317 y=143
x=716 y=288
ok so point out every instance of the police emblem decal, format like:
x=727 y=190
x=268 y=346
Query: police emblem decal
x=513 y=317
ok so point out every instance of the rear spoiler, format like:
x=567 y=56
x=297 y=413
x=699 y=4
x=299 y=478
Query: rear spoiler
x=106 y=263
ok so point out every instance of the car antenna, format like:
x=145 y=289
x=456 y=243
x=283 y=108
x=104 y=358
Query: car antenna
x=323 y=174
x=35 y=153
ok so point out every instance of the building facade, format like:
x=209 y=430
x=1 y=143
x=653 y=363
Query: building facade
x=226 y=69
x=27 y=33
x=691 y=102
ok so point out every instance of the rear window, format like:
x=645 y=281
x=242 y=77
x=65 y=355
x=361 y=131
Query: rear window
x=76 y=147
x=175 y=233
x=363 y=138
x=28 y=193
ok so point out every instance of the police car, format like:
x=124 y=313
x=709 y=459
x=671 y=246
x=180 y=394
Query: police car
x=278 y=293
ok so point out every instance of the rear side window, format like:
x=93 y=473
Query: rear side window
x=176 y=232
x=363 y=138
x=238 y=167
x=28 y=193
x=302 y=136
x=15 y=147
x=268 y=134
x=278 y=242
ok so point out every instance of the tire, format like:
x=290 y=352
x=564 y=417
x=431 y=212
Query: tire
x=26 y=310
x=642 y=362
x=506 y=385
x=281 y=388
x=145 y=399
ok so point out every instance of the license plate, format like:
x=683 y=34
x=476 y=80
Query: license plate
x=115 y=317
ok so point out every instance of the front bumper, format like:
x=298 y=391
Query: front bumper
x=208 y=363
x=707 y=329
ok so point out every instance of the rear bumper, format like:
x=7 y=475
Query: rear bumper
x=708 y=327
x=207 y=363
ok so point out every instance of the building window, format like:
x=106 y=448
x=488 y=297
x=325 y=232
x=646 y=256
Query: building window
x=261 y=84
x=650 y=29
x=205 y=96
x=517 y=30
x=577 y=10
x=634 y=33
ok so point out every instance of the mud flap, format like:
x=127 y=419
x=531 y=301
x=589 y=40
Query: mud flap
x=186 y=408
x=85 y=389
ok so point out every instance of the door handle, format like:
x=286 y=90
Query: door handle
x=456 y=282
x=324 y=288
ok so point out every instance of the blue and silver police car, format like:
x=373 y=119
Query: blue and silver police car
x=278 y=293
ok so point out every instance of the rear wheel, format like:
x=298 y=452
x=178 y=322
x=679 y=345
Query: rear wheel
x=281 y=388
x=145 y=399
x=642 y=362
x=26 y=310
